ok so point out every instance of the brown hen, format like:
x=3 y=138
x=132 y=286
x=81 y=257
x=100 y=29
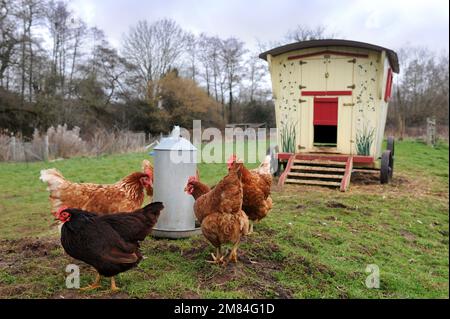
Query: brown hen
x=125 y=195
x=256 y=184
x=220 y=211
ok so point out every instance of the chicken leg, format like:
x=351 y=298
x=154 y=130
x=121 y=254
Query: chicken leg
x=218 y=258
x=250 y=227
x=114 y=288
x=233 y=254
x=96 y=284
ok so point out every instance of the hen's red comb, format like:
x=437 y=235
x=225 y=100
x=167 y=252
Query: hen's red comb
x=149 y=172
x=232 y=159
x=192 y=179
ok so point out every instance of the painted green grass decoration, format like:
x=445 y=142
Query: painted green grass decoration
x=364 y=140
x=288 y=136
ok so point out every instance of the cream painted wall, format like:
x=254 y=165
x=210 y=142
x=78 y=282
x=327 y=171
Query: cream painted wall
x=364 y=110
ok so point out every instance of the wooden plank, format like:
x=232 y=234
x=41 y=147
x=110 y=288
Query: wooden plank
x=318 y=168
x=326 y=93
x=332 y=176
x=312 y=182
x=357 y=159
x=347 y=176
x=330 y=52
x=286 y=171
x=318 y=162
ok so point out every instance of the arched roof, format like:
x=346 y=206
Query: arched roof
x=392 y=56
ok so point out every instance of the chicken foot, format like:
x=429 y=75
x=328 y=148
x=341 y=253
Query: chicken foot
x=96 y=284
x=218 y=258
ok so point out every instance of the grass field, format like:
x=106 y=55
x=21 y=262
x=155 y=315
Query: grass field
x=316 y=242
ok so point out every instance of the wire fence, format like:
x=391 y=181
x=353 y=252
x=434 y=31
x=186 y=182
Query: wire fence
x=61 y=142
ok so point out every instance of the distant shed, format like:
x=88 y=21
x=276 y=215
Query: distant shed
x=331 y=95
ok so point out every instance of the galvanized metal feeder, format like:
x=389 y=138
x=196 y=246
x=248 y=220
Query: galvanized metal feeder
x=175 y=159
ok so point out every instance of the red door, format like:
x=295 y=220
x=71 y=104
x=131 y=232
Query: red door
x=325 y=111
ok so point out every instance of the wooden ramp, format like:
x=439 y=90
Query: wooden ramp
x=316 y=170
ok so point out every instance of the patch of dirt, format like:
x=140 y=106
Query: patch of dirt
x=335 y=204
x=29 y=247
x=313 y=268
x=190 y=295
x=195 y=251
x=299 y=243
x=408 y=235
x=253 y=273
x=443 y=232
x=162 y=245
x=359 y=178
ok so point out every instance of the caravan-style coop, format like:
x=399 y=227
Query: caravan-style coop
x=331 y=99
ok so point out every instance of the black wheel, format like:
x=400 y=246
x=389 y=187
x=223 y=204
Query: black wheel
x=387 y=167
x=390 y=145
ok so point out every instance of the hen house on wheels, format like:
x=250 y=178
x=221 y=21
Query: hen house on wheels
x=331 y=99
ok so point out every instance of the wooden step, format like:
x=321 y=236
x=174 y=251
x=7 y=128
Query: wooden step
x=312 y=182
x=331 y=176
x=318 y=168
x=368 y=170
x=318 y=162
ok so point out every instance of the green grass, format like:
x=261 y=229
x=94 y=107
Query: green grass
x=316 y=242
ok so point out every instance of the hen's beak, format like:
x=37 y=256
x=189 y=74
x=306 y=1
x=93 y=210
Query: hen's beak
x=55 y=223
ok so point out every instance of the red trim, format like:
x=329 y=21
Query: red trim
x=357 y=159
x=347 y=175
x=388 y=90
x=356 y=55
x=361 y=159
x=325 y=93
x=284 y=156
x=286 y=170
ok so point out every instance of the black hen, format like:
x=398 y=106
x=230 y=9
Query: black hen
x=109 y=243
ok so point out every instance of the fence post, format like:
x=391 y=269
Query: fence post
x=45 y=153
x=431 y=131
x=13 y=144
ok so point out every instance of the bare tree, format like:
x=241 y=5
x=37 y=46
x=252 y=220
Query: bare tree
x=255 y=70
x=9 y=37
x=232 y=53
x=58 y=18
x=154 y=48
x=305 y=33
x=421 y=90
x=192 y=45
x=30 y=13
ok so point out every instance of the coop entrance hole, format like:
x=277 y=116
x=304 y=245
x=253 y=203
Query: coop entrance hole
x=325 y=135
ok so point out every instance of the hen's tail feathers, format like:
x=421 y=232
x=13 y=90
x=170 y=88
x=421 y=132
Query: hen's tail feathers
x=264 y=168
x=153 y=208
x=53 y=178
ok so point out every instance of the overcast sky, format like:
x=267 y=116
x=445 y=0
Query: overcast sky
x=389 y=23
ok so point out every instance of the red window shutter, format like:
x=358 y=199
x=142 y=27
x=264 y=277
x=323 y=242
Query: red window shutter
x=325 y=111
